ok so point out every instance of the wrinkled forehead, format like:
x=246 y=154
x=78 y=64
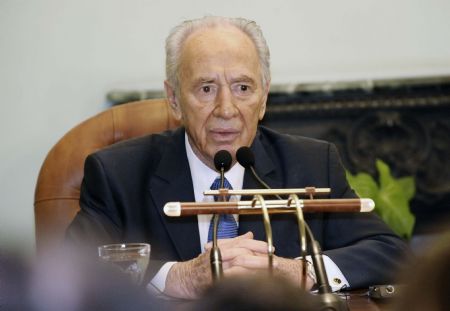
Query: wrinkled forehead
x=222 y=35
x=218 y=47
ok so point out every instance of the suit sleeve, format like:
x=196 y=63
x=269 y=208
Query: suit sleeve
x=97 y=222
x=361 y=244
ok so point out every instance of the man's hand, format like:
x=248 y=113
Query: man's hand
x=188 y=279
x=243 y=256
x=291 y=269
x=240 y=256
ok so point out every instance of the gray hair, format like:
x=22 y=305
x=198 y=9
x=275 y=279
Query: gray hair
x=180 y=33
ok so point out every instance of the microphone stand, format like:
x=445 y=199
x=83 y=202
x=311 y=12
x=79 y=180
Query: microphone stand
x=329 y=300
x=267 y=228
x=301 y=234
x=215 y=255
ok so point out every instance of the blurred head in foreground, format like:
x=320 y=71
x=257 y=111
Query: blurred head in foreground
x=428 y=280
x=259 y=293
x=64 y=282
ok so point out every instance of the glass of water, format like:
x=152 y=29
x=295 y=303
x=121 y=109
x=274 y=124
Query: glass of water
x=131 y=258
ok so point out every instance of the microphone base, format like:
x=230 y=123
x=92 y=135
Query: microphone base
x=332 y=302
x=216 y=264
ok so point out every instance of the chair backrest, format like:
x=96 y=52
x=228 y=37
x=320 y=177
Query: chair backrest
x=57 y=193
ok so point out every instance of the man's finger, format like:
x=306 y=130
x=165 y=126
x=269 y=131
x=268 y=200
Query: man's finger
x=225 y=242
x=236 y=271
x=231 y=253
x=251 y=262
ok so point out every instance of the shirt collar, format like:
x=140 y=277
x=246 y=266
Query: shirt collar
x=203 y=176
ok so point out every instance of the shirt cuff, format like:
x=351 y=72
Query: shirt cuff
x=336 y=278
x=158 y=283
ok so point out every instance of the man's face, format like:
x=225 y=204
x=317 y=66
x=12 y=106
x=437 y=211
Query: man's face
x=221 y=97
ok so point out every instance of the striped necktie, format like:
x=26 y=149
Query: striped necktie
x=227 y=225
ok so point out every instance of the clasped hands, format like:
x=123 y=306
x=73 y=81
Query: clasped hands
x=242 y=255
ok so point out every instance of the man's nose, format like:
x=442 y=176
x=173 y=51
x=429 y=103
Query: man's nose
x=225 y=104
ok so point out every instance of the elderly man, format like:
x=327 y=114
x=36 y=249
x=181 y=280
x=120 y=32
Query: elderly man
x=217 y=84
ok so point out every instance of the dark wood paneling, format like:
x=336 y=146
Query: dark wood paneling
x=406 y=124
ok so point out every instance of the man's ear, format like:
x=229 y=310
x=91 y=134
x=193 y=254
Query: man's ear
x=262 y=109
x=173 y=102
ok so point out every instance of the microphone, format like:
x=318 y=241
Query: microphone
x=245 y=157
x=222 y=163
x=222 y=160
x=330 y=301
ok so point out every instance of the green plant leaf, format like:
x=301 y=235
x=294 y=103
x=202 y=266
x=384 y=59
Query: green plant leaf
x=391 y=197
x=384 y=173
x=393 y=200
x=363 y=184
x=408 y=185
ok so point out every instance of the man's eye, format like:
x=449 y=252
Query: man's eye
x=206 y=89
x=243 y=87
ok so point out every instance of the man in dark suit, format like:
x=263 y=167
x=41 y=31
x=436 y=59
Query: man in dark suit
x=217 y=84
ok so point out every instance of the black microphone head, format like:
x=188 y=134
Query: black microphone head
x=245 y=157
x=222 y=159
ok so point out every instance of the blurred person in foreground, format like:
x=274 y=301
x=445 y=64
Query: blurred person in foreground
x=218 y=78
x=67 y=281
x=427 y=281
x=14 y=275
x=256 y=292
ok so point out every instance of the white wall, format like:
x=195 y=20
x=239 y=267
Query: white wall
x=59 y=58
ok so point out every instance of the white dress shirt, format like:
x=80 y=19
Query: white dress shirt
x=202 y=178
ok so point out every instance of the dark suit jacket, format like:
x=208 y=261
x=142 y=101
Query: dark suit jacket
x=126 y=186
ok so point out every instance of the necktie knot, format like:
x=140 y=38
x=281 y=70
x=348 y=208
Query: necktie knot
x=216 y=185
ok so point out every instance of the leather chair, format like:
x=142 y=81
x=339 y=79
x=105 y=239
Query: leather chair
x=57 y=193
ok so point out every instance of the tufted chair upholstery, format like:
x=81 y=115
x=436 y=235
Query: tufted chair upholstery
x=57 y=192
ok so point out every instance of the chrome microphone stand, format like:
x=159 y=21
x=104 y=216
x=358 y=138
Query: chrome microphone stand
x=330 y=301
x=267 y=228
x=215 y=255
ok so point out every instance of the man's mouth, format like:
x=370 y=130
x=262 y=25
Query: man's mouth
x=224 y=135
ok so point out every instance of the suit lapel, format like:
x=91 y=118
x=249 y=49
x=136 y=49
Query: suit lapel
x=172 y=182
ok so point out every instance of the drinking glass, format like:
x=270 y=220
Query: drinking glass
x=131 y=258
